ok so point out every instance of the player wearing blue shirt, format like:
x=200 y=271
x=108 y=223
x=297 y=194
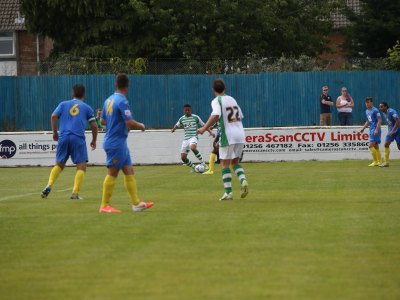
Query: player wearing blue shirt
x=73 y=115
x=117 y=116
x=393 y=121
x=374 y=122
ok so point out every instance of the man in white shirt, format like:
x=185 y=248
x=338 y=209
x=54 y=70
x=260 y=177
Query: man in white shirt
x=227 y=111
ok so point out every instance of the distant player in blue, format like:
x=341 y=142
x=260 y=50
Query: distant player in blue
x=117 y=116
x=393 y=122
x=374 y=122
x=74 y=116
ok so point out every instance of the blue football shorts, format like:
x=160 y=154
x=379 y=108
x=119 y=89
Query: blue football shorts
x=394 y=137
x=374 y=138
x=71 y=145
x=118 y=158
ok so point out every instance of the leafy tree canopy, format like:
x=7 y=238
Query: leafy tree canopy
x=182 y=29
x=375 y=29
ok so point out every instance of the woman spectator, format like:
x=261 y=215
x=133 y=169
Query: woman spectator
x=345 y=104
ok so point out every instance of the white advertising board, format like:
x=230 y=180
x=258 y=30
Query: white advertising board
x=163 y=147
x=309 y=143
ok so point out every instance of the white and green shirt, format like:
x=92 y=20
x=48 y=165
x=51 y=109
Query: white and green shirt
x=230 y=120
x=190 y=125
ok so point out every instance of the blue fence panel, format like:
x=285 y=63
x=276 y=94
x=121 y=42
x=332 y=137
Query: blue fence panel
x=268 y=99
x=8 y=97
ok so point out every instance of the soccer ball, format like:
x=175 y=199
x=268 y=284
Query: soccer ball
x=199 y=168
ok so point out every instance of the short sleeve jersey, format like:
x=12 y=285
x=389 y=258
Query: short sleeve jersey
x=99 y=125
x=190 y=125
x=324 y=108
x=74 y=116
x=373 y=116
x=116 y=111
x=230 y=120
x=391 y=118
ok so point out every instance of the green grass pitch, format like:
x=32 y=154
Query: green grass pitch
x=307 y=230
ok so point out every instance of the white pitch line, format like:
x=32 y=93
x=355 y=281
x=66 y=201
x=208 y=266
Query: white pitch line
x=29 y=194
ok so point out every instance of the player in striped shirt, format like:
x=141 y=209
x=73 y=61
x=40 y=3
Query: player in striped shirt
x=229 y=114
x=190 y=123
x=393 y=121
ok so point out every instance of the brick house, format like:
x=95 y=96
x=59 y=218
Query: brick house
x=337 y=38
x=20 y=51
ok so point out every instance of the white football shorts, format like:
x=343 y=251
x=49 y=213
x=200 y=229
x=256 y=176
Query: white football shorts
x=186 y=144
x=231 y=151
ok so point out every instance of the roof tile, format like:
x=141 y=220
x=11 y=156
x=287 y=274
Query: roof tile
x=9 y=13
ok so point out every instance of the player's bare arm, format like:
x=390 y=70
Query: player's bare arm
x=211 y=120
x=211 y=133
x=103 y=121
x=174 y=128
x=132 y=124
x=396 y=125
x=54 y=119
x=378 y=126
x=365 y=126
x=95 y=129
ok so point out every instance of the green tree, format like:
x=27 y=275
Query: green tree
x=375 y=29
x=182 y=29
x=394 y=57
x=87 y=27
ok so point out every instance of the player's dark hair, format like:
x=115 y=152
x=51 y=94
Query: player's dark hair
x=385 y=104
x=219 y=85
x=368 y=99
x=122 y=81
x=78 y=91
x=187 y=105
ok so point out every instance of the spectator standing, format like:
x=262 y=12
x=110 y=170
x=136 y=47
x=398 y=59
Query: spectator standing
x=345 y=104
x=325 y=117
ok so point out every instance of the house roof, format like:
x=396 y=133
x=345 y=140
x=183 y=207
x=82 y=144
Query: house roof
x=10 y=18
x=340 y=20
